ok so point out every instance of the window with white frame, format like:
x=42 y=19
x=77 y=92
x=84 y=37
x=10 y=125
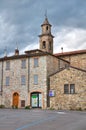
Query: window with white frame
x=7 y=65
x=23 y=80
x=7 y=81
x=35 y=79
x=23 y=63
x=35 y=62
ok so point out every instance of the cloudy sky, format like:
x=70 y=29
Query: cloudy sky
x=20 y=23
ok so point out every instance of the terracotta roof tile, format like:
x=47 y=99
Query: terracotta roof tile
x=70 y=53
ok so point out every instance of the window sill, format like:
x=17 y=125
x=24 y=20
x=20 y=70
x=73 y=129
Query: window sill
x=70 y=93
x=35 y=84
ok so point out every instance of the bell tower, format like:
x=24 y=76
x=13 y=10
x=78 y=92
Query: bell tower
x=46 y=38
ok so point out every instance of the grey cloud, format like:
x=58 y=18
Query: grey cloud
x=26 y=16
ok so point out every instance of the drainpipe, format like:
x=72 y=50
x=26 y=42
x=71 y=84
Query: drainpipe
x=28 y=73
x=2 y=82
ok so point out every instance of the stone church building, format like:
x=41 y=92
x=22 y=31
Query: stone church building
x=41 y=79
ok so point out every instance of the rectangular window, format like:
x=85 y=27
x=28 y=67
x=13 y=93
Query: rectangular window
x=69 y=88
x=7 y=81
x=35 y=62
x=35 y=79
x=7 y=65
x=66 y=89
x=23 y=80
x=23 y=64
x=72 y=88
x=22 y=103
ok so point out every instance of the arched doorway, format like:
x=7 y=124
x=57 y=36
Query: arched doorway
x=36 y=100
x=15 y=99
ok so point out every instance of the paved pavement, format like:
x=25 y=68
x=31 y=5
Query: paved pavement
x=37 y=119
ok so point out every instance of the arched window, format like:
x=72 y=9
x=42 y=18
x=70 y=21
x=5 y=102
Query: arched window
x=44 y=45
x=50 y=46
x=47 y=28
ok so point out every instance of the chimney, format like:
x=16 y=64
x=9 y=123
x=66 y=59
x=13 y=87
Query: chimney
x=5 y=52
x=16 y=52
x=62 y=49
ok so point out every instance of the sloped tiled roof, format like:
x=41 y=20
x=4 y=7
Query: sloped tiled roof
x=70 y=53
x=27 y=54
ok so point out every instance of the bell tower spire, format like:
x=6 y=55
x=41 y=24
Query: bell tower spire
x=46 y=38
x=45 y=13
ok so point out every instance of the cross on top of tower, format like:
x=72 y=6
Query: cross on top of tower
x=46 y=22
x=45 y=14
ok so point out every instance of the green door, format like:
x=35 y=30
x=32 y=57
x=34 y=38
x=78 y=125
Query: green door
x=36 y=100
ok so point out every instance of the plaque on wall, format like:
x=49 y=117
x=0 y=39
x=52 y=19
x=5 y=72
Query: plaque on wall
x=51 y=93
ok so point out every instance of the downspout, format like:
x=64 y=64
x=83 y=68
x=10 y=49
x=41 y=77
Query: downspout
x=29 y=81
x=2 y=79
x=2 y=82
x=28 y=72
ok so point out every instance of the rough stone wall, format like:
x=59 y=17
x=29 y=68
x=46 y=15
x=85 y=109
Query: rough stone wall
x=68 y=101
x=52 y=64
x=47 y=39
x=62 y=64
x=15 y=73
x=0 y=100
x=78 y=60
x=41 y=71
x=47 y=65
x=0 y=74
x=0 y=82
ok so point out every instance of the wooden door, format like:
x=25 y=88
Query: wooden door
x=15 y=99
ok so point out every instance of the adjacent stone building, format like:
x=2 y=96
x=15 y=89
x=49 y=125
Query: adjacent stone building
x=41 y=79
x=69 y=86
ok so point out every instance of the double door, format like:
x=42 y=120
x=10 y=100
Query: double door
x=36 y=100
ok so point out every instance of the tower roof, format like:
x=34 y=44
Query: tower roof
x=46 y=22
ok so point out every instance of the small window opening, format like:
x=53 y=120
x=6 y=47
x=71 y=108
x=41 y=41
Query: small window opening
x=22 y=103
x=44 y=45
x=47 y=28
x=50 y=46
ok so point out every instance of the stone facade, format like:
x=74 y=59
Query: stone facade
x=1 y=66
x=73 y=101
x=40 y=70
x=31 y=85
x=46 y=38
x=79 y=61
x=46 y=66
x=14 y=73
x=76 y=58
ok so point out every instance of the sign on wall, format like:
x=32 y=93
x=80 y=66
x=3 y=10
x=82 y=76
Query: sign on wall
x=51 y=93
